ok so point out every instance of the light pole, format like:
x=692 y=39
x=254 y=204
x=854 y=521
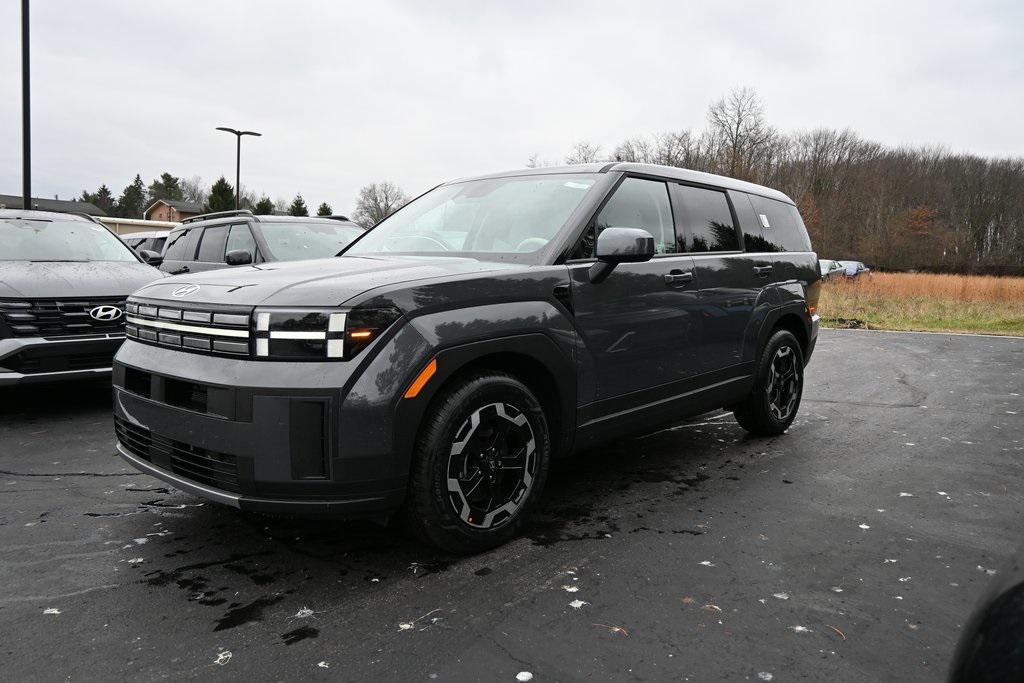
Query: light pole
x=26 y=119
x=238 y=157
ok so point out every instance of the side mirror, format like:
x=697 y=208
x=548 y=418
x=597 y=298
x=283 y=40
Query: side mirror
x=151 y=257
x=238 y=257
x=620 y=245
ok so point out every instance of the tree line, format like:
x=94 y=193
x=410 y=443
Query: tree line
x=375 y=202
x=892 y=207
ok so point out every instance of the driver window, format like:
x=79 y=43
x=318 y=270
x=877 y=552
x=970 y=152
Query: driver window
x=637 y=203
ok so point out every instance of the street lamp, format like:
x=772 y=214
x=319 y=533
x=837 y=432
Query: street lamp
x=238 y=157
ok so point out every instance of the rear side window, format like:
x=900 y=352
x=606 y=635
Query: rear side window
x=211 y=249
x=706 y=220
x=240 y=239
x=181 y=246
x=778 y=227
x=637 y=203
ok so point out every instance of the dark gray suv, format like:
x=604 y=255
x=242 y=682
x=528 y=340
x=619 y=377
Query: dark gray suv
x=448 y=355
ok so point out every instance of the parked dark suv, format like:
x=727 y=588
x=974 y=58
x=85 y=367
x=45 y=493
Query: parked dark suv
x=64 y=279
x=452 y=351
x=237 y=238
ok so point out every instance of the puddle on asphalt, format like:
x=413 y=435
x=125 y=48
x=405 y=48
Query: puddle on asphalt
x=247 y=563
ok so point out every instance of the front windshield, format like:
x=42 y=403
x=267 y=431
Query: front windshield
x=58 y=239
x=295 y=241
x=517 y=215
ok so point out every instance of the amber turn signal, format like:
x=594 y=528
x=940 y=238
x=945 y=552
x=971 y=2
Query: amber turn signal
x=421 y=379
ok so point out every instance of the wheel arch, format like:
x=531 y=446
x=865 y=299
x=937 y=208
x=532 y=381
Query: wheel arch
x=534 y=359
x=795 y=324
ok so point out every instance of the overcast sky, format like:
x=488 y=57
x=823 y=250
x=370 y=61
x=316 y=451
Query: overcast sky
x=416 y=92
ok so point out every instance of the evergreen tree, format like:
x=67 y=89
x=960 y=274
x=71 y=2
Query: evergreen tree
x=167 y=187
x=222 y=196
x=133 y=200
x=104 y=199
x=264 y=207
x=324 y=209
x=101 y=198
x=298 y=207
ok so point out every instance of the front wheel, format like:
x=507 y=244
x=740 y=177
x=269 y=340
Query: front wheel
x=480 y=464
x=778 y=385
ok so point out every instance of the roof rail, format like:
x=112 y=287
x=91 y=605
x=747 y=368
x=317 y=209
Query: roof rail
x=217 y=214
x=338 y=217
x=85 y=216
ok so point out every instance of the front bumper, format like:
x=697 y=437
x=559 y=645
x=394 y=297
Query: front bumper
x=353 y=505
x=28 y=360
x=307 y=438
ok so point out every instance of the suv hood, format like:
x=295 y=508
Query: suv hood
x=73 y=279
x=321 y=282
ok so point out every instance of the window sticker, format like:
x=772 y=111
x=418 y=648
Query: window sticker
x=764 y=220
x=576 y=186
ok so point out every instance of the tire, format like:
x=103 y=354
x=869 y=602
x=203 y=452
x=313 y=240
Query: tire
x=769 y=409
x=485 y=436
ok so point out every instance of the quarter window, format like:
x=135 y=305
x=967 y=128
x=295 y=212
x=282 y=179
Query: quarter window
x=706 y=220
x=211 y=250
x=778 y=227
x=637 y=203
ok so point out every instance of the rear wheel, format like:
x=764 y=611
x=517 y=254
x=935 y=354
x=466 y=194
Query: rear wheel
x=480 y=464
x=778 y=386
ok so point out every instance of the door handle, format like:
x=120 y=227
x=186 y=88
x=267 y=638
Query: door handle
x=763 y=271
x=678 y=277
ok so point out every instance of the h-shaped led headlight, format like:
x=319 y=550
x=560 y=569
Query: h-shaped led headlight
x=317 y=334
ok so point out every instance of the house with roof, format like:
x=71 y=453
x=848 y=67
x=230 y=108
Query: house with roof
x=10 y=201
x=171 y=210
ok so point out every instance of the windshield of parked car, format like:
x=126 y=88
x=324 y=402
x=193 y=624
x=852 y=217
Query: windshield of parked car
x=512 y=215
x=295 y=240
x=56 y=239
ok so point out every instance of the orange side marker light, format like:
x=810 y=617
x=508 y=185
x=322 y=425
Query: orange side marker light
x=421 y=380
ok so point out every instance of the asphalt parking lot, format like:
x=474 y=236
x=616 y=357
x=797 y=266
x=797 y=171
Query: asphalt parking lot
x=851 y=548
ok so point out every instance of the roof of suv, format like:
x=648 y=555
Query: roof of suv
x=46 y=215
x=259 y=218
x=673 y=172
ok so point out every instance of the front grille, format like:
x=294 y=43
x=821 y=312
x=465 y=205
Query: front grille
x=63 y=317
x=221 y=331
x=34 y=361
x=203 y=466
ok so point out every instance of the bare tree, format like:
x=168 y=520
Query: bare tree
x=536 y=162
x=194 y=190
x=741 y=138
x=583 y=153
x=377 y=201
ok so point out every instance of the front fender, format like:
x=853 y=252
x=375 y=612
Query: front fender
x=381 y=420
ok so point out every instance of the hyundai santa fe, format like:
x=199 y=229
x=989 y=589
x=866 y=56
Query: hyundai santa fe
x=437 y=365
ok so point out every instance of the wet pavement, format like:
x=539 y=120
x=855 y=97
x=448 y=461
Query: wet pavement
x=851 y=548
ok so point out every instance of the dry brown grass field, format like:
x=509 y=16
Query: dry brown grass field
x=926 y=302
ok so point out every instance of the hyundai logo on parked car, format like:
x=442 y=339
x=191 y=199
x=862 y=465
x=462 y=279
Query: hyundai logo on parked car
x=185 y=291
x=106 y=313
